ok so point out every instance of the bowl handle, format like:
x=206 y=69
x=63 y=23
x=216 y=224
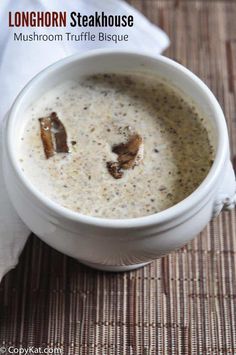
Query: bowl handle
x=226 y=196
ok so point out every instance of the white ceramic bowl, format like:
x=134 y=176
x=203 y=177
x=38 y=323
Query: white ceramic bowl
x=125 y=244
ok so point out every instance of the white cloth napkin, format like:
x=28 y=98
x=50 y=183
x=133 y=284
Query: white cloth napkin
x=20 y=61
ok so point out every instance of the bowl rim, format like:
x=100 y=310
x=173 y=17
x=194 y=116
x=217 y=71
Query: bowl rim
x=164 y=216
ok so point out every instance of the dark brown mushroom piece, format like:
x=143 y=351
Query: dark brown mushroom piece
x=53 y=133
x=114 y=169
x=128 y=153
x=59 y=133
x=46 y=136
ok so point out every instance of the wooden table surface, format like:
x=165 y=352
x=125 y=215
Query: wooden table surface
x=184 y=303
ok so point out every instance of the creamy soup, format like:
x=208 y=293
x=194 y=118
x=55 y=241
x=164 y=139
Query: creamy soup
x=135 y=146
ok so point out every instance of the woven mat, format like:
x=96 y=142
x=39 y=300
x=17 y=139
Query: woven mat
x=184 y=303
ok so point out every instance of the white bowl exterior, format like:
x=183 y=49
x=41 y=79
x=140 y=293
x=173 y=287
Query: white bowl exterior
x=105 y=246
x=116 y=245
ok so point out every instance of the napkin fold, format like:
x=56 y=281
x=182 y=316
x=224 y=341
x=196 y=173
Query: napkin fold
x=20 y=61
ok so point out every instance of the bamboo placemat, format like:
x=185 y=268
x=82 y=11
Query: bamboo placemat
x=184 y=303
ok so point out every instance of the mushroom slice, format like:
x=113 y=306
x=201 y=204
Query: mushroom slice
x=114 y=169
x=46 y=136
x=130 y=153
x=59 y=133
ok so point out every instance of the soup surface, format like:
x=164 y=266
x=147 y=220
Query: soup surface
x=135 y=146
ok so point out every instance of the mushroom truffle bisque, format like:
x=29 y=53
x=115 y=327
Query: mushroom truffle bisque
x=115 y=145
